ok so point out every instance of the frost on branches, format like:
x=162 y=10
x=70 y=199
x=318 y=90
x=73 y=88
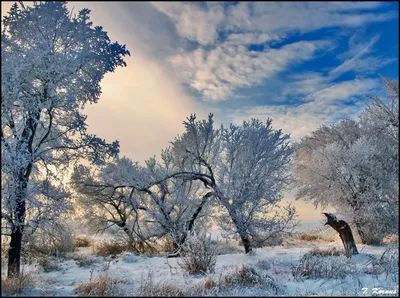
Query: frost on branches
x=242 y=170
x=246 y=167
x=51 y=66
x=140 y=200
x=354 y=167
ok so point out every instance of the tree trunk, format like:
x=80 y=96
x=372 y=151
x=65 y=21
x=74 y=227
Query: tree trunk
x=360 y=231
x=14 y=253
x=246 y=243
x=190 y=224
x=241 y=230
x=345 y=234
x=244 y=236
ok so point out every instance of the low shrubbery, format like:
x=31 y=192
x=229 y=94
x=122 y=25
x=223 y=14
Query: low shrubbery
x=17 y=284
x=323 y=264
x=110 y=248
x=103 y=285
x=198 y=254
x=83 y=242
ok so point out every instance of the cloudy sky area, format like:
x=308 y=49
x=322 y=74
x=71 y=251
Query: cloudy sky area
x=302 y=64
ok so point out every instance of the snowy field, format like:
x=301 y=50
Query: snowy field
x=269 y=271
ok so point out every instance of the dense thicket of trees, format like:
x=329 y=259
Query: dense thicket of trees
x=354 y=166
x=52 y=63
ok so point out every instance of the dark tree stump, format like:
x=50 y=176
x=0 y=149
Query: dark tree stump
x=345 y=234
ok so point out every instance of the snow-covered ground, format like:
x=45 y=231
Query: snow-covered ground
x=273 y=265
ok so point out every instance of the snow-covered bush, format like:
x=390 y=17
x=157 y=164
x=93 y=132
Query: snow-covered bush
x=387 y=264
x=318 y=264
x=248 y=277
x=198 y=254
x=49 y=264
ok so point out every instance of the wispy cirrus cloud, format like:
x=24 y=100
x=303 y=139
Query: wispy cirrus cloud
x=323 y=106
x=221 y=59
x=218 y=72
x=359 y=58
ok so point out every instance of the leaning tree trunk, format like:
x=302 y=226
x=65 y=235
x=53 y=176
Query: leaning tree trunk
x=345 y=234
x=241 y=230
x=246 y=243
x=244 y=236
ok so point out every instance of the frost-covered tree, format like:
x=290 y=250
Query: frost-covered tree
x=139 y=199
x=103 y=205
x=246 y=167
x=353 y=166
x=52 y=63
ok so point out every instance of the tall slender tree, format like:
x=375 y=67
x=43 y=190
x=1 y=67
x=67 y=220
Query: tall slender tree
x=52 y=63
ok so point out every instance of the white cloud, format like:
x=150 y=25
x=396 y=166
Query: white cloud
x=358 y=58
x=301 y=16
x=222 y=63
x=192 y=22
x=344 y=90
x=324 y=106
x=220 y=71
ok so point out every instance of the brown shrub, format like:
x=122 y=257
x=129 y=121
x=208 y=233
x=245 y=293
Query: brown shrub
x=103 y=285
x=17 y=284
x=209 y=284
x=83 y=242
x=106 y=248
x=148 y=288
x=308 y=237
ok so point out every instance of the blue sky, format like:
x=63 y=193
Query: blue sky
x=304 y=64
x=308 y=63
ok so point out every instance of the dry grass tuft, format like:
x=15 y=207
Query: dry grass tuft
x=83 y=260
x=106 y=248
x=148 y=288
x=17 y=284
x=102 y=285
x=83 y=242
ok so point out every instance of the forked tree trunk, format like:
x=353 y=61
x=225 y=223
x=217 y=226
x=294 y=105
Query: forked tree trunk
x=190 y=224
x=345 y=234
